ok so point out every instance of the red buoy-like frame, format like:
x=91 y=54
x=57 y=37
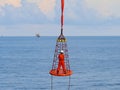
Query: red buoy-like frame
x=61 y=44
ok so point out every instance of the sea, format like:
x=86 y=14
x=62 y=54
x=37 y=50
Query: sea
x=25 y=63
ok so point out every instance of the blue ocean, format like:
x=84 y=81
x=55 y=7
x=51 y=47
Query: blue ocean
x=25 y=63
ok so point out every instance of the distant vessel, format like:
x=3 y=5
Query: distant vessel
x=37 y=35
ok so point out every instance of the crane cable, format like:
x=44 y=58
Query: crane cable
x=62 y=13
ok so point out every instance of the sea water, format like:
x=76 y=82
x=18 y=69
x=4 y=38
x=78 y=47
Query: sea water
x=25 y=63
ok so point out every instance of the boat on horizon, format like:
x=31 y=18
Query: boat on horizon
x=37 y=35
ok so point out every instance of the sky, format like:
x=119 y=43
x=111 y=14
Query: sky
x=81 y=17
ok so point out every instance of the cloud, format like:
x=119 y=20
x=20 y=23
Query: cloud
x=71 y=9
x=95 y=10
x=48 y=11
x=92 y=12
x=46 y=6
x=15 y=3
x=104 y=8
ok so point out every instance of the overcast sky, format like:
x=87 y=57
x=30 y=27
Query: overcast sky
x=81 y=17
